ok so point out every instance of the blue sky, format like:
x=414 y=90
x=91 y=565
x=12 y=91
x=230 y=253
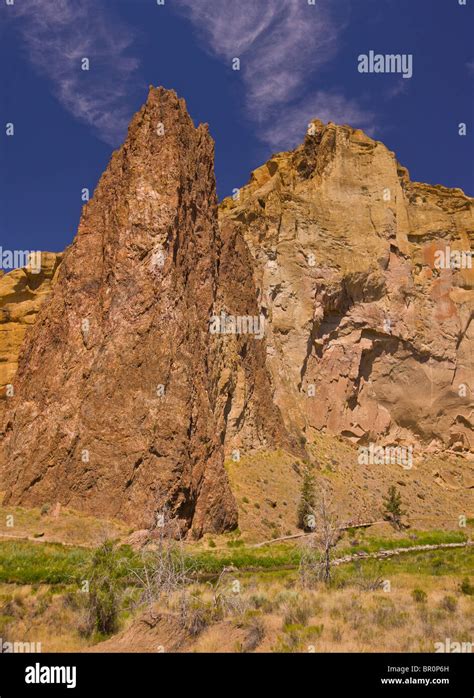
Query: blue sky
x=298 y=62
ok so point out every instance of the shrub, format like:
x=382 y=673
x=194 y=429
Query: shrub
x=255 y=635
x=72 y=600
x=261 y=603
x=419 y=596
x=196 y=615
x=387 y=616
x=466 y=587
x=103 y=601
x=235 y=544
x=297 y=613
x=449 y=603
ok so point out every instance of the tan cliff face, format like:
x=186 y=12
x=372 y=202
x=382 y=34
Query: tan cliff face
x=366 y=337
x=22 y=294
x=125 y=403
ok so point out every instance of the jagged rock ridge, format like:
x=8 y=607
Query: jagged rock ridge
x=124 y=402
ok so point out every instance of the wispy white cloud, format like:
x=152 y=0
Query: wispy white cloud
x=281 y=44
x=57 y=35
x=290 y=128
x=400 y=88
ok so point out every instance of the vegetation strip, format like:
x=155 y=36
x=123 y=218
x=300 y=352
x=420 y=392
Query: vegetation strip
x=382 y=554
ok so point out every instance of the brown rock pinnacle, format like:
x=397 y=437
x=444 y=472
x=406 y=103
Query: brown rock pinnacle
x=115 y=394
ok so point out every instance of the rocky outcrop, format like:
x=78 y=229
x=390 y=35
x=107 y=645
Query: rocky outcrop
x=249 y=417
x=115 y=407
x=22 y=293
x=317 y=305
x=367 y=335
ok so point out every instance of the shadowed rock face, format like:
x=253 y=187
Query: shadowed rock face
x=116 y=388
x=366 y=336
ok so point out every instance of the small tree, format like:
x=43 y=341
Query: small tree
x=105 y=588
x=307 y=503
x=393 y=511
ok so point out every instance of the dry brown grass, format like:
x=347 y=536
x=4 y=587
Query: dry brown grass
x=36 y=615
x=267 y=487
x=61 y=525
x=276 y=615
x=272 y=616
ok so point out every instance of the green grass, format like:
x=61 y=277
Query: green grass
x=41 y=563
x=274 y=557
x=373 y=545
x=24 y=562
x=50 y=563
x=458 y=562
x=271 y=557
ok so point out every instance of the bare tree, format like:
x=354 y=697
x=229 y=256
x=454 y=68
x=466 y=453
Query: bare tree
x=316 y=561
x=165 y=567
x=226 y=593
